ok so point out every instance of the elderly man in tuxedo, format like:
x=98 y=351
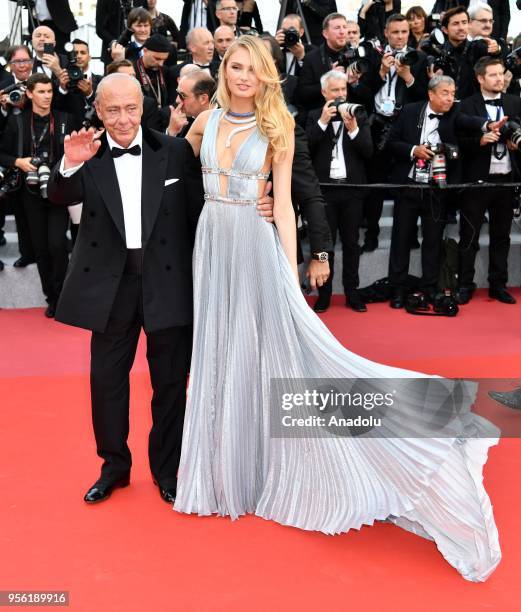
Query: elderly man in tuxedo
x=131 y=269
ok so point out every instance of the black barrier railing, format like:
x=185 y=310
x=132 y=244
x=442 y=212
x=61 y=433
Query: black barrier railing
x=430 y=187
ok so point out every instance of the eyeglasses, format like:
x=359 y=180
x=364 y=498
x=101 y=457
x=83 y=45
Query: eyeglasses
x=21 y=62
x=484 y=21
x=230 y=9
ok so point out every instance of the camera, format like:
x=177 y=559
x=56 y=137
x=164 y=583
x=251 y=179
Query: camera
x=442 y=153
x=291 y=38
x=512 y=131
x=123 y=40
x=406 y=58
x=9 y=180
x=353 y=110
x=73 y=70
x=512 y=63
x=354 y=59
x=445 y=304
x=15 y=92
x=40 y=176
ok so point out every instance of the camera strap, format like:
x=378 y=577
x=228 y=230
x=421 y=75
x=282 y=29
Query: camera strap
x=146 y=82
x=20 y=134
x=49 y=127
x=496 y=152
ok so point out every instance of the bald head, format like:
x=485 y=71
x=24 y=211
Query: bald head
x=199 y=41
x=41 y=36
x=187 y=69
x=223 y=38
x=119 y=104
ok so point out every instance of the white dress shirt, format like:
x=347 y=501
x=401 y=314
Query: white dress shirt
x=429 y=133
x=388 y=90
x=338 y=169
x=129 y=173
x=503 y=165
x=198 y=15
x=42 y=10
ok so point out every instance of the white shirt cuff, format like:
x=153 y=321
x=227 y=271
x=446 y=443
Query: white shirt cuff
x=323 y=126
x=64 y=92
x=411 y=83
x=412 y=152
x=70 y=171
x=352 y=135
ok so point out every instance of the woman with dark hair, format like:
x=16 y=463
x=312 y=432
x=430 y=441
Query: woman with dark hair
x=373 y=15
x=418 y=26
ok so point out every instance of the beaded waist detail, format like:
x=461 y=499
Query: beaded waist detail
x=228 y=200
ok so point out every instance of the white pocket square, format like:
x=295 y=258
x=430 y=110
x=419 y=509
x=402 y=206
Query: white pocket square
x=170 y=181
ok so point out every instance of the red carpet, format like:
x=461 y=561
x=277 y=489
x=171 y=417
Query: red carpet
x=135 y=553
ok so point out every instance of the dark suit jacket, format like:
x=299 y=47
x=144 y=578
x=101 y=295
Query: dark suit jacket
x=307 y=198
x=61 y=15
x=406 y=133
x=110 y=22
x=476 y=163
x=74 y=102
x=501 y=10
x=356 y=151
x=64 y=124
x=314 y=12
x=212 y=21
x=404 y=95
x=169 y=217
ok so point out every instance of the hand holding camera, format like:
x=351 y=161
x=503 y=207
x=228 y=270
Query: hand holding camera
x=289 y=40
x=329 y=111
x=423 y=151
x=50 y=59
x=24 y=164
x=13 y=95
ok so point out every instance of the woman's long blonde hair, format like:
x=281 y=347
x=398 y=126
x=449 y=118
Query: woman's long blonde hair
x=273 y=118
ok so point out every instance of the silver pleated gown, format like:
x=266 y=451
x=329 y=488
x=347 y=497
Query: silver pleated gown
x=251 y=324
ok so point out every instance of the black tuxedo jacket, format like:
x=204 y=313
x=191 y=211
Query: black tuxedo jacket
x=64 y=124
x=406 y=133
x=501 y=10
x=356 y=151
x=75 y=102
x=315 y=64
x=404 y=95
x=314 y=12
x=476 y=163
x=307 y=197
x=169 y=217
x=61 y=15
x=211 y=18
x=110 y=22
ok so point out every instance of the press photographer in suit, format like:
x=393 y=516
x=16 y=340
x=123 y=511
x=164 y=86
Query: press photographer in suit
x=32 y=142
x=111 y=22
x=492 y=158
x=339 y=145
x=421 y=128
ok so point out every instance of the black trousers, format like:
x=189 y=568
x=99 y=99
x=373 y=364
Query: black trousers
x=499 y=204
x=344 y=212
x=12 y=204
x=112 y=356
x=429 y=205
x=47 y=227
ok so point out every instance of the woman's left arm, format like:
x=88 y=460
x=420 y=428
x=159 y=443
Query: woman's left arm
x=283 y=212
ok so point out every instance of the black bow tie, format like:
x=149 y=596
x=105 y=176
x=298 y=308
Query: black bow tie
x=117 y=152
x=435 y=116
x=202 y=66
x=496 y=102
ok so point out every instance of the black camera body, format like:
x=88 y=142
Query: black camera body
x=354 y=58
x=406 y=58
x=15 y=92
x=291 y=38
x=9 y=180
x=73 y=70
x=512 y=63
x=444 y=304
x=353 y=110
x=512 y=131
x=40 y=176
x=450 y=151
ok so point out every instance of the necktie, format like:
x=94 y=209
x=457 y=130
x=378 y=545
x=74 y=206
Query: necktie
x=117 y=152
x=496 y=102
x=435 y=116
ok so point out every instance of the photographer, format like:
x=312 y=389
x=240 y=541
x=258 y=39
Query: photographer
x=20 y=64
x=339 y=143
x=399 y=78
x=222 y=39
x=420 y=130
x=78 y=81
x=130 y=43
x=111 y=21
x=46 y=60
x=164 y=24
x=493 y=158
x=314 y=11
x=33 y=142
x=481 y=20
x=290 y=40
x=373 y=16
x=459 y=54
x=332 y=54
x=418 y=26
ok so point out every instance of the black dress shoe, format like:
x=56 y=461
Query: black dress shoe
x=502 y=295
x=50 y=311
x=463 y=295
x=102 y=490
x=322 y=303
x=511 y=399
x=415 y=244
x=398 y=299
x=23 y=262
x=355 y=302
x=167 y=493
x=369 y=246
x=2 y=266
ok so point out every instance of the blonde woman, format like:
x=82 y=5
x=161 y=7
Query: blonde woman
x=252 y=325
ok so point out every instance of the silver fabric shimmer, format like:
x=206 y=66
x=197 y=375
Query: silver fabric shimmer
x=252 y=324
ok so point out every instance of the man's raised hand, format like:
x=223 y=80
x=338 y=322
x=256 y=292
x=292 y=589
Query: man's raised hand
x=81 y=146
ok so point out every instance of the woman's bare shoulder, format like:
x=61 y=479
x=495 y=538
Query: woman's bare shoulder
x=202 y=119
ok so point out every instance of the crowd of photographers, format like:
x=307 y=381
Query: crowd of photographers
x=416 y=100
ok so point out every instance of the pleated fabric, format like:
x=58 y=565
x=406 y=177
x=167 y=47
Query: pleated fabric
x=252 y=324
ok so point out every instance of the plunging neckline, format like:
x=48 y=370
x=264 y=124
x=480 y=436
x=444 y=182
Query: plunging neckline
x=239 y=150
